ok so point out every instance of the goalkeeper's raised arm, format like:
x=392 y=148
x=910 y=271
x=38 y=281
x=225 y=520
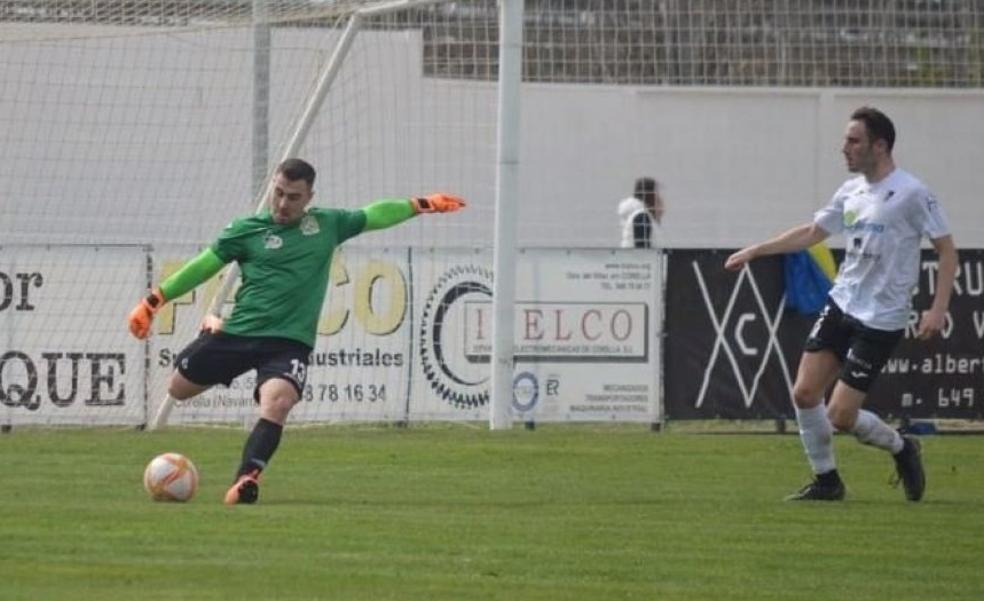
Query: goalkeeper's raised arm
x=284 y=252
x=378 y=215
x=389 y=212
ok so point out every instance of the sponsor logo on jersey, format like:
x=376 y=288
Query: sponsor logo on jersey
x=854 y=223
x=309 y=225
x=273 y=242
x=861 y=225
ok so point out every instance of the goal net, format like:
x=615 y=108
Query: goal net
x=133 y=132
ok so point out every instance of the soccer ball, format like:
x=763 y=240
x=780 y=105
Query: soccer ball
x=170 y=477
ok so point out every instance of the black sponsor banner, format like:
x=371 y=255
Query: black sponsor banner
x=943 y=377
x=732 y=346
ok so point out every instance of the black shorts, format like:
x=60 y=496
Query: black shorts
x=220 y=358
x=862 y=350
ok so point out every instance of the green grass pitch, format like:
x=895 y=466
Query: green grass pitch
x=462 y=513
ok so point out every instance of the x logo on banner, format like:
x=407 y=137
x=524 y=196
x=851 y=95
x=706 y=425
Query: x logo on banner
x=721 y=342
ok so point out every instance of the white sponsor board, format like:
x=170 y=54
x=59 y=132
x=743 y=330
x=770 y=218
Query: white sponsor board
x=65 y=354
x=586 y=335
x=404 y=335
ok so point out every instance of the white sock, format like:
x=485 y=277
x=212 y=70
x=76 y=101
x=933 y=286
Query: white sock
x=870 y=429
x=818 y=437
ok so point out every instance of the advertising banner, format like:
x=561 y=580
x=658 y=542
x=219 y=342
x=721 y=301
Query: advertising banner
x=406 y=334
x=733 y=347
x=585 y=331
x=66 y=356
x=942 y=377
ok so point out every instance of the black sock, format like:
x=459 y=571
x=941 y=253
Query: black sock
x=830 y=478
x=260 y=446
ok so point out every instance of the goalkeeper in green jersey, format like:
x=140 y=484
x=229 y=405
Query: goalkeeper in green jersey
x=284 y=253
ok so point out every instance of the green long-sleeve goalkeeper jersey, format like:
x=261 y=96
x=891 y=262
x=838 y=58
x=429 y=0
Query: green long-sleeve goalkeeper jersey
x=284 y=270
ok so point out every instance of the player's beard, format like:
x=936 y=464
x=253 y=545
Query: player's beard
x=862 y=163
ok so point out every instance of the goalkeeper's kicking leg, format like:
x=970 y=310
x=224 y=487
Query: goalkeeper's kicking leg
x=281 y=372
x=276 y=397
x=277 y=393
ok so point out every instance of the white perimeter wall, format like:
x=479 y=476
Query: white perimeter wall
x=737 y=164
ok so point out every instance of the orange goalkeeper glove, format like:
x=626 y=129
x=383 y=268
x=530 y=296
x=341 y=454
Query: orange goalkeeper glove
x=143 y=314
x=438 y=202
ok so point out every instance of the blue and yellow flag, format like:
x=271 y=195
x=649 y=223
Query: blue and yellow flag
x=809 y=275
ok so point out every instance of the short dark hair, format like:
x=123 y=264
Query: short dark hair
x=879 y=126
x=295 y=169
x=645 y=189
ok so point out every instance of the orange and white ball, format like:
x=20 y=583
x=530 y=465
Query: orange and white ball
x=170 y=477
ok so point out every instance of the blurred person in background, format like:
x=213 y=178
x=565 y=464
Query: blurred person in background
x=641 y=215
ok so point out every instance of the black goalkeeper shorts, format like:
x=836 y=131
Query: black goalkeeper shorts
x=220 y=358
x=863 y=351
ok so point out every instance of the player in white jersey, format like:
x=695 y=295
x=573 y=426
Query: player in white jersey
x=883 y=213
